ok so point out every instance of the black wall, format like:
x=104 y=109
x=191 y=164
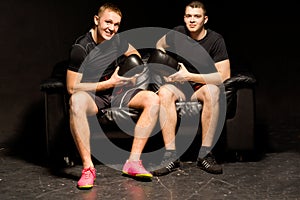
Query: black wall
x=36 y=34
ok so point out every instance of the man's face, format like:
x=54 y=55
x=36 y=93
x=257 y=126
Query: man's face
x=108 y=24
x=194 y=19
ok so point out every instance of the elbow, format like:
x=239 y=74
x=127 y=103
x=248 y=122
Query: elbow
x=70 y=90
x=226 y=77
x=218 y=81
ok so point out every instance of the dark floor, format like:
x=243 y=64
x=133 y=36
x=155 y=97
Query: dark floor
x=275 y=176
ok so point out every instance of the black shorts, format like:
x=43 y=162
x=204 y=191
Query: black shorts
x=187 y=88
x=109 y=99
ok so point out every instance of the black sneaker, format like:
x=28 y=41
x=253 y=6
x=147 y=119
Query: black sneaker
x=169 y=166
x=209 y=164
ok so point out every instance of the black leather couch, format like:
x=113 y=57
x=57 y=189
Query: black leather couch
x=238 y=133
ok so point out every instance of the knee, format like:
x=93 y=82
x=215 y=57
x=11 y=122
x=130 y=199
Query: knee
x=151 y=103
x=211 y=94
x=77 y=103
x=166 y=95
x=150 y=99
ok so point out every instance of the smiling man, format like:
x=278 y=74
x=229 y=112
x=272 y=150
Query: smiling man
x=92 y=76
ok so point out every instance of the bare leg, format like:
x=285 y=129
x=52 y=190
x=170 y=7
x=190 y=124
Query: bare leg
x=168 y=94
x=149 y=102
x=82 y=105
x=209 y=95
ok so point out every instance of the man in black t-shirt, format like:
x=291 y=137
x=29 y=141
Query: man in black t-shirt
x=91 y=77
x=207 y=67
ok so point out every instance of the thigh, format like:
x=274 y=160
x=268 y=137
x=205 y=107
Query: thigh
x=208 y=91
x=101 y=101
x=123 y=99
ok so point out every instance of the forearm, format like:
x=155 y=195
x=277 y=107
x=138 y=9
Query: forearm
x=97 y=86
x=223 y=68
x=216 y=78
x=212 y=78
x=74 y=83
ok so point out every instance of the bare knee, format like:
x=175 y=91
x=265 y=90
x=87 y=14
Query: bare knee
x=78 y=103
x=166 y=95
x=208 y=94
x=211 y=94
x=150 y=99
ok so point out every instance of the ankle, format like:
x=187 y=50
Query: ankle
x=170 y=154
x=204 y=151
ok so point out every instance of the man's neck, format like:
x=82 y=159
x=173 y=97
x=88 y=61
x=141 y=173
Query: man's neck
x=199 y=35
x=95 y=36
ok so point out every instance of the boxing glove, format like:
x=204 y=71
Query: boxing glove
x=130 y=65
x=162 y=63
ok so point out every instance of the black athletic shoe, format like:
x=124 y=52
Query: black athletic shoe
x=209 y=164
x=168 y=167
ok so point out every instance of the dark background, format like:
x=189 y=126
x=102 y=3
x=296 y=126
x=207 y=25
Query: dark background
x=261 y=36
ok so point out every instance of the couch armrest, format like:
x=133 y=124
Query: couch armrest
x=51 y=85
x=232 y=85
x=240 y=81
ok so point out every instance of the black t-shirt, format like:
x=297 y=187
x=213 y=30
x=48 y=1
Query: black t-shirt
x=213 y=43
x=202 y=54
x=96 y=62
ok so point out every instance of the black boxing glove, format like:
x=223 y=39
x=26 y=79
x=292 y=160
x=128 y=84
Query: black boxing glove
x=130 y=65
x=162 y=63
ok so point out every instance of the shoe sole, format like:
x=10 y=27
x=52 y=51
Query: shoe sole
x=164 y=173
x=148 y=176
x=85 y=187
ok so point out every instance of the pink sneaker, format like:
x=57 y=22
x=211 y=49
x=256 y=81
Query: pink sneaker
x=87 y=179
x=136 y=169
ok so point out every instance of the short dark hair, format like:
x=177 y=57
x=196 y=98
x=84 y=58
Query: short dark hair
x=197 y=4
x=109 y=6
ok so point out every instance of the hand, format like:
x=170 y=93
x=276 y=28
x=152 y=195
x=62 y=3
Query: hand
x=117 y=80
x=132 y=80
x=180 y=76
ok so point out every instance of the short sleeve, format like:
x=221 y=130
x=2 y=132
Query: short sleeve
x=77 y=55
x=219 y=51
